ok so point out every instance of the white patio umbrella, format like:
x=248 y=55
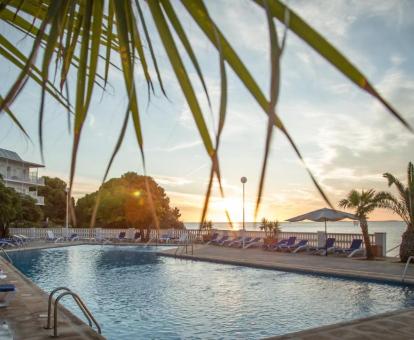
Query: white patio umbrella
x=323 y=215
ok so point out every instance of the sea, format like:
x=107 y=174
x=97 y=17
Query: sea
x=393 y=229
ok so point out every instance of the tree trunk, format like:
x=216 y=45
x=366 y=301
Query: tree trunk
x=367 y=242
x=407 y=245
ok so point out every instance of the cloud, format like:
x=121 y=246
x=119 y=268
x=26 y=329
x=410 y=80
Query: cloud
x=171 y=180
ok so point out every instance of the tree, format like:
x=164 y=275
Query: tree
x=206 y=225
x=403 y=206
x=364 y=203
x=29 y=212
x=10 y=207
x=79 y=37
x=271 y=228
x=16 y=208
x=55 y=199
x=125 y=202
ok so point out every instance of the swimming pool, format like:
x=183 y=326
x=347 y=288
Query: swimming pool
x=135 y=294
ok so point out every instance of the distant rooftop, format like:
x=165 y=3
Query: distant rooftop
x=13 y=156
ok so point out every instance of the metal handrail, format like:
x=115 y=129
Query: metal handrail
x=406 y=267
x=86 y=312
x=6 y=255
x=393 y=248
x=185 y=246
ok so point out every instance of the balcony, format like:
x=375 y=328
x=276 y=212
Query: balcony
x=28 y=179
x=40 y=200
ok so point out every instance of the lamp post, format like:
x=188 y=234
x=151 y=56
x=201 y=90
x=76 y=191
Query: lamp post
x=243 y=180
x=67 y=210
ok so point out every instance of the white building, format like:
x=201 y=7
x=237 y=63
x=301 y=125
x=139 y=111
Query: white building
x=21 y=175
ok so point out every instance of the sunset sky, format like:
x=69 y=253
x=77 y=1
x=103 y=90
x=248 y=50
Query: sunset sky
x=348 y=139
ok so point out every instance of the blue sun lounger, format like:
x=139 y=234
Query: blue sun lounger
x=256 y=242
x=239 y=243
x=214 y=238
x=352 y=250
x=301 y=245
x=272 y=246
x=7 y=292
x=221 y=240
x=329 y=246
x=290 y=242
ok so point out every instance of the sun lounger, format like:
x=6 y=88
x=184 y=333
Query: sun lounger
x=122 y=236
x=221 y=240
x=182 y=239
x=256 y=242
x=7 y=292
x=301 y=245
x=165 y=238
x=352 y=250
x=50 y=236
x=137 y=236
x=329 y=247
x=230 y=242
x=274 y=244
x=73 y=237
x=213 y=238
x=290 y=242
x=239 y=243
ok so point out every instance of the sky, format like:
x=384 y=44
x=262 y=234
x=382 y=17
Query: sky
x=347 y=138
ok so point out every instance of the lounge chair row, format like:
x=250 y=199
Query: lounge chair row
x=237 y=242
x=287 y=245
x=291 y=245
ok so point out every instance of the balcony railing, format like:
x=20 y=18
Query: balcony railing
x=28 y=179
x=40 y=200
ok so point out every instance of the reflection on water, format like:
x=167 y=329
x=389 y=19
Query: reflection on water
x=137 y=295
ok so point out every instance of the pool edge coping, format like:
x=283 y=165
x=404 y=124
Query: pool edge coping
x=358 y=276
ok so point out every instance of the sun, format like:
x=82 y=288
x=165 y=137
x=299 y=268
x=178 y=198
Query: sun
x=234 y=206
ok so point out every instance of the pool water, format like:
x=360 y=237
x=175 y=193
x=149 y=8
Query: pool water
x=136 y=294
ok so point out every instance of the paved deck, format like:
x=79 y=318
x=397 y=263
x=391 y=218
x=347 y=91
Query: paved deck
x=26 y=315
x=393 y=325
x=384 y=270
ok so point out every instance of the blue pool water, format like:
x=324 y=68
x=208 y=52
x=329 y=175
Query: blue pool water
x=135 y=294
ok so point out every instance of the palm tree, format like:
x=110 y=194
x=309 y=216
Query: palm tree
x=403 y=205
x=271 y=228
x=364 y=203
x=78 y=39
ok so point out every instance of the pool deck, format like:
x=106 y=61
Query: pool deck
x=382 y=270
x=26 y=316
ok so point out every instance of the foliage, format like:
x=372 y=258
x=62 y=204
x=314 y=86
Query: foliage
x=271 y=228
x=16 y=209
x=79 y=38
x=403 y=204
x=364 y=203
x=124 y=202
x=55 y=200
x=29 y=212
x=206 y=225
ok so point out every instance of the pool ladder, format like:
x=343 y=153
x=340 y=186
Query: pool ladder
x=6 y=255
x=86 y=312
x=185 y=247
x=406 y=267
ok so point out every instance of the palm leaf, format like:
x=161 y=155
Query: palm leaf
x=328 y=51
x=181 y=74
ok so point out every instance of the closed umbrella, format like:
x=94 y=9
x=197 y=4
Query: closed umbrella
x=323 y=215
